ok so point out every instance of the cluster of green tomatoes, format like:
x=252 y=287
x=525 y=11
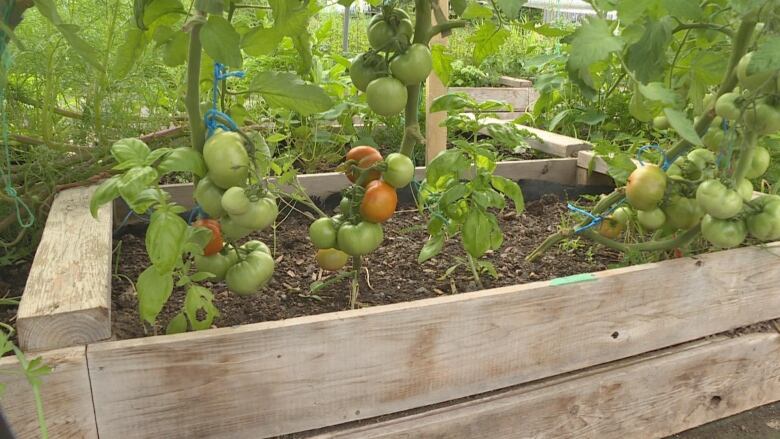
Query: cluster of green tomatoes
x=704 y=187
x=237 y=206
x=392 y=64
x=372 y=199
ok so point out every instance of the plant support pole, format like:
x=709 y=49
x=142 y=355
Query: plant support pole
x=192 y=98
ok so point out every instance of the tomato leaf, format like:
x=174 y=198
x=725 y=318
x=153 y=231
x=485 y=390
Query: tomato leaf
x=657 y=91
x=129 y=52
x=509 y=188
x=475 y=10
x=154 y=289
x=458 y=6
x=158 y=9
x=511 y=8
x=593 y=41
x=287 y=90
x=177 y=325
x=487 y=40
x=766 y=57
x=684 y=127
x=442 y=63
x=684 y=9
x=183 y=159
x=105 y=193
x=221 y=41
x=165 y=238
x=261 y=40
x=174 y=51
x=647 y=57
x=432 y=247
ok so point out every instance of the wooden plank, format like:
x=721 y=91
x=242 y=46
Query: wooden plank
x=554 y=144
x=435 y=134
x=305 y=373
x=584 y=159
x=655 y=396
x=561 y=171
x=508 y=81
x=585 y=178
x=67 y=299
x=519 y=98
x=66 y=395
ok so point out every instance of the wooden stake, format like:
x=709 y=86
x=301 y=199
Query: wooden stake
x=435 y=135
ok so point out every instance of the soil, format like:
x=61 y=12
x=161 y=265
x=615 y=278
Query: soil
x=12 y=281
x=393 y=276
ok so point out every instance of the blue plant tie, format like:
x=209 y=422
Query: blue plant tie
x=594 y=219
x=213 y=116
x=195 y=212
x=665 y=165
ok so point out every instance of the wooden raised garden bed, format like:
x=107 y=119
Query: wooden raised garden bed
x=519 y=93
x=628 y=352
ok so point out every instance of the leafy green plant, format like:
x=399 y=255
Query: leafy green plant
x=465 y=208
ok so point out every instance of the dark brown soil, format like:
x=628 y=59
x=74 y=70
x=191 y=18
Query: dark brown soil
x=12 y=281
x=393 y=276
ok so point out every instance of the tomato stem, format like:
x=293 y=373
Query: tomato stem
x=357 y=263
x=192 y=96
x=746 y=150
x=649 y=246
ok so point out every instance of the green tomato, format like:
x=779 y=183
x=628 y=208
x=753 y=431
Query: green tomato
x=344 y=205
x=382 y=30
x=651 y=219
x=763 y=118
x=412 y=66
x=748 y=79
x=646 y=187
x=765 y=225
x=232 y=231
x=234 y=201
x=661 y=123
x=717 y=200
x=726 y=106
x=216 y=264
x=323 y=232
x=723 y=233
x=702 y=158
x=359 y=239
x=255 y=246
x=682 y=213
x=709 y=101
x=400 y=170
x=713 y=138
x=386 y=96
x=209 y=197
x=622 y=215
x=759 y=162
x=365 y=68
x=261 y=214
x=248 y=276
x=227 y=159
x=745 y=189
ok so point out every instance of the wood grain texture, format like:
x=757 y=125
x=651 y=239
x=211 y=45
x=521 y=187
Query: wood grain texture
x=519 y=98
x=554 y=144
x=306 y=373
x=66 y=394
x=67 y=299
x=435 y=134
x=562 y=171
x=655 y=396
x=509 y=81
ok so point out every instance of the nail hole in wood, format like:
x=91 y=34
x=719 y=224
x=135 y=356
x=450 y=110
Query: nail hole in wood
x=615 y=334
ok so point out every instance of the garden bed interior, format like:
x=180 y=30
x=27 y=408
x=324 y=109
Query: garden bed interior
x=626 y=352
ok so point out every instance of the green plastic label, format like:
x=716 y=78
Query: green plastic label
x=577 y=278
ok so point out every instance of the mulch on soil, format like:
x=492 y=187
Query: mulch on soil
x=393 y=272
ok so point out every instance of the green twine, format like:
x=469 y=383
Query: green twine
x=5 y=60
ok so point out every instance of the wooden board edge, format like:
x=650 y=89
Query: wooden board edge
x=92 y=322
x=738 y=374
x=510 y=81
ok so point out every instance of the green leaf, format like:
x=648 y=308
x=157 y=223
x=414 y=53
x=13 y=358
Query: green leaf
x=177 y=325
x=215 y=7
x=261 y=41
x=452 y=103
x=511 y=8
x=432 y=247
x=154 y=288
x=546 y=29
x=657 y=91
x=684 y=9
x=286 y=90
x=592 y=42
x=174 y=51
x=129 y=52
x=480 y=233
x=200 y=299
x=156 y=155
x=458 y=6
x=221 y=42
x=509 y=188
x=135 y=181
x=475 y=10
x=684 y=127
x=183 y=159
x=157 y=9
x=198 y=237
x=647 y=57
x=442 y=63
x=766 y=57
x=639 y=107
x=487 y=40
x=105 y=193
x=165 y=239
x=130 y=150
x=49 y=10
x=447 y=165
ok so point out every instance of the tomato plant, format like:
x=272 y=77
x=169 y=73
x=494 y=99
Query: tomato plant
x=379 y=202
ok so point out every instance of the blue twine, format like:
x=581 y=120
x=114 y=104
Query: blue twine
x=196 y=212
x=594 y=219
x=665 y=165
x=213 y=116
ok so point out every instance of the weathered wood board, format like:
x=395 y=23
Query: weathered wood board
x=67 y=299
x=352 y=365
x=66 y=395
x=509 y=81
x=653 y=396
x=519 y=98
x=435 y=133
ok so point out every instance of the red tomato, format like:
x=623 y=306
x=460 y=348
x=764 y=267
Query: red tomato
x=379 y=202
x=216 y=243
x=365 y=156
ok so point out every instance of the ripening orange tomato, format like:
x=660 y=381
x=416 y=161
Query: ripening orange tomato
x=365 y=156
x=379 y=202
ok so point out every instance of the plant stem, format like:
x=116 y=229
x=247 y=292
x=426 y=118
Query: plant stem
x=746 y=151
x=422 y=30
x=36 y=388
x=548 y=243
x=192 y=97
x=649 y=246
x=474 y=271
x=357 y=263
